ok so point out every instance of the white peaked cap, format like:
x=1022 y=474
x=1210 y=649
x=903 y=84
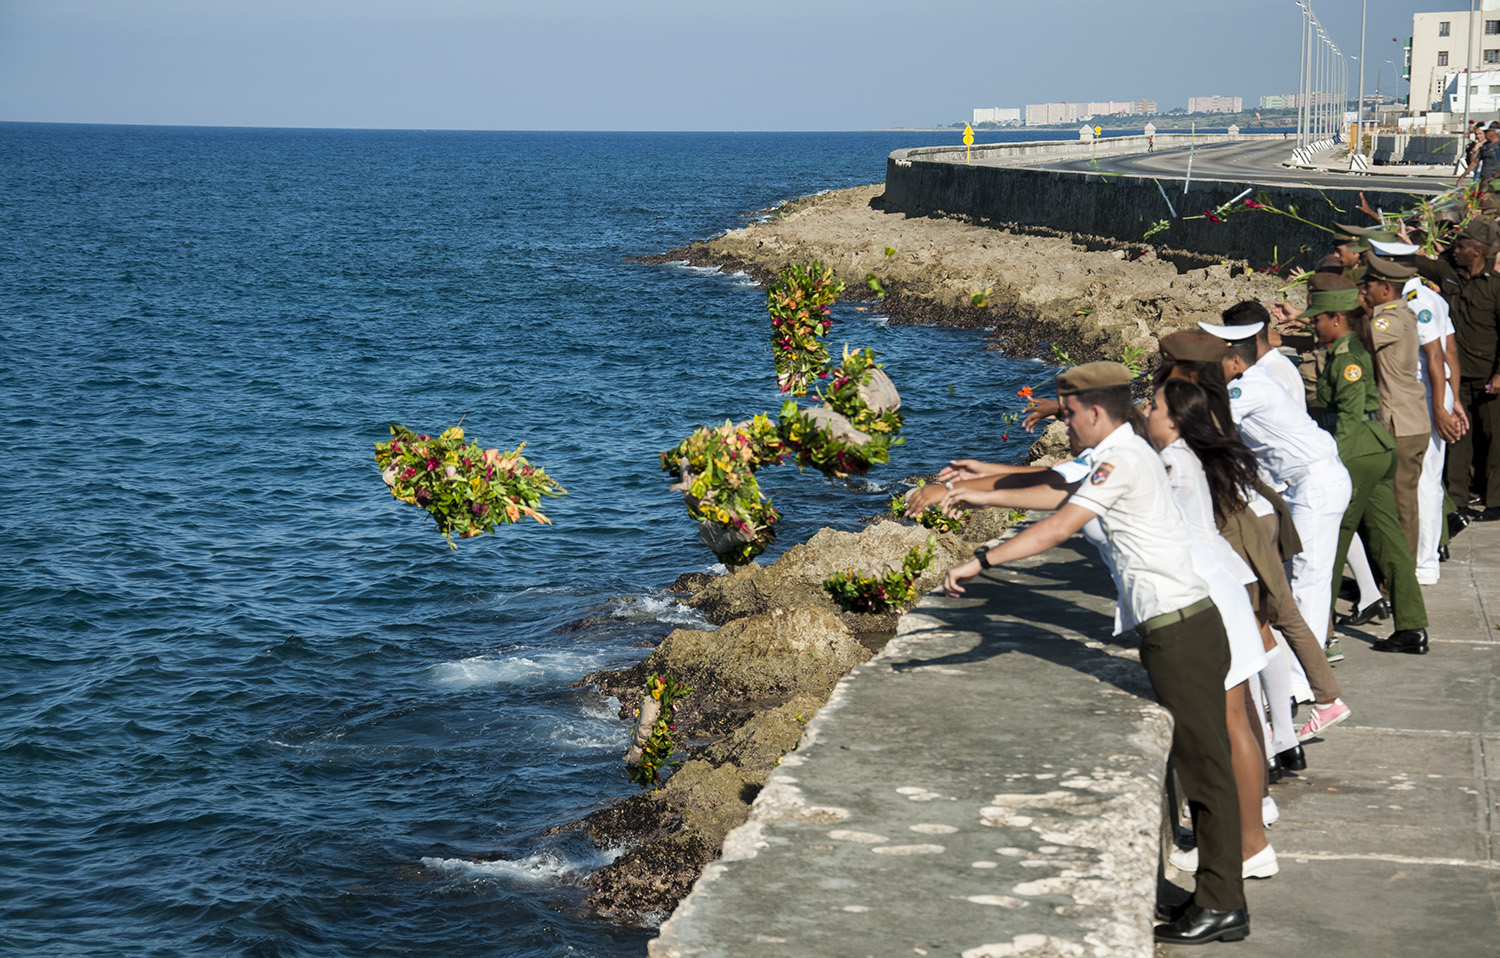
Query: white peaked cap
x=1232 y=333
x=1393 y=249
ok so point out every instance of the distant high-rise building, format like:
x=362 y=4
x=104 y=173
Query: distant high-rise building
x=1215 y=104
x=1279 y=101
x=997 y=115
x=1045 y=114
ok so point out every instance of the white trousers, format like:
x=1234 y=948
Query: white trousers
x=1317 y=500
x=1430 y=510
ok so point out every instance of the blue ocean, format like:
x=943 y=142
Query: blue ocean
x=254 y=705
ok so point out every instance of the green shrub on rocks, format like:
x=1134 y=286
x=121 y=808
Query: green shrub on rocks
x=889 y=588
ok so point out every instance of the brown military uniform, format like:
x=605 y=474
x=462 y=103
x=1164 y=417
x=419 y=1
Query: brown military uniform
x=1403 y=405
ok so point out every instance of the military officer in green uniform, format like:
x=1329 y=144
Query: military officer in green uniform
x=1350 y=399
x=1403 y=398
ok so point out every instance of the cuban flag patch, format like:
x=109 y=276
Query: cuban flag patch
x=1101 y=474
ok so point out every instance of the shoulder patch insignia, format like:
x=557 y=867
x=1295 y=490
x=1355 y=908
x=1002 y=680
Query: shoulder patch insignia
x=1411 y=296
x=1425 y=316
x=1234 y=392
x=1353 y=373
x=1382 y=323
x=1101 y=474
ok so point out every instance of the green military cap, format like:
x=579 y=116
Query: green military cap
x=1344 y=233
x=1490 y=203
x=1091 y=376
x=1331 y=301
x=1192 y=346
x=1481 y=230
x=1382 y=235
x=1325 y=282
x=1384 y=269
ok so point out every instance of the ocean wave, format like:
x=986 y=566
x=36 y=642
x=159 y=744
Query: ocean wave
x=660 y=608
x=544 y=866
x=516 y=669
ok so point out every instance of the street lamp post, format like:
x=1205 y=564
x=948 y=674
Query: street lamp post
x=1359 y=110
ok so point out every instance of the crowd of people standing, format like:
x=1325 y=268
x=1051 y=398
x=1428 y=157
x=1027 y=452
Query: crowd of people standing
x=1275 y=449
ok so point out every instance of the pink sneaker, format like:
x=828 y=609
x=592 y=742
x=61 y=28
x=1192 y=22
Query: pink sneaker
x=1323 y=719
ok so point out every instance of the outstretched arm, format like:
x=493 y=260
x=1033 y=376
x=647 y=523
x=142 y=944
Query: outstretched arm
x=1051 y=531
x=1031 y=487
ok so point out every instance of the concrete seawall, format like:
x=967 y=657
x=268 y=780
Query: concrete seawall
x=998 y=186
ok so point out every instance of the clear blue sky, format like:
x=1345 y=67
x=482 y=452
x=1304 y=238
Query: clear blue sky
x=645 y=64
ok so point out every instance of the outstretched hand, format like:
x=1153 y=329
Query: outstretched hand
x=957 y=575
x=1038 y=410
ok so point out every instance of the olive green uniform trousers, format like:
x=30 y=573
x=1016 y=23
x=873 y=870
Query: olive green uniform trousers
x=1373 y=503
x=1186 y=662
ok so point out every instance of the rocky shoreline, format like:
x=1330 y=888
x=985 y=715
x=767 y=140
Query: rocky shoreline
x=1048 y=290
x=781 y=643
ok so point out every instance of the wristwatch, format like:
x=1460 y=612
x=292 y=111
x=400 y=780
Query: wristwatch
x=983 y=555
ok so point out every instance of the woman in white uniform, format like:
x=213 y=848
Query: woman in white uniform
x=1208 y=474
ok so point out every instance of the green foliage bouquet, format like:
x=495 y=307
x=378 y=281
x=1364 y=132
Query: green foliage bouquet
x=799 y=304
x=890 y=588
x=466 y=489
x=652 y=748
x=715 y=468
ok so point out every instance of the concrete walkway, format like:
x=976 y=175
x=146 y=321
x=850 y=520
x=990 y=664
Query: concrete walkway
x=1388 y=841
x=990 y=785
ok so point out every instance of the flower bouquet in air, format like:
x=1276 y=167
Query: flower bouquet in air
x=715 y=472
x=799 y=303
x=856 y=425
x=466 y=489
x=890 y=588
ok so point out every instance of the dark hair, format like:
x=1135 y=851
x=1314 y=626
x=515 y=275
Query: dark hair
x=1227 y=462
x=1114 y=400
x=1210 y=378
x=1248 y=313
x=1245 y=350
x=1245 y=313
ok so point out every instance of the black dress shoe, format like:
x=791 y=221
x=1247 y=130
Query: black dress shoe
x=1458 y=521
x=1410 y=641
x=1487 y=515
x=1199 y=926
x=1442 y=553
x=1379 y=609
x=1293 y=759
x=1170 y=913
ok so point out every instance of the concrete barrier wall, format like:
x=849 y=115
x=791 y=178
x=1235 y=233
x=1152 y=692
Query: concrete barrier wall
x=928 y=181
x=1043 y=150
x=1415 y=148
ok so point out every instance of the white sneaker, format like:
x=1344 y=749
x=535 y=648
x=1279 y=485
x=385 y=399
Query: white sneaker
x=1260 y=865
x=1427 y=578
x=1269 y=813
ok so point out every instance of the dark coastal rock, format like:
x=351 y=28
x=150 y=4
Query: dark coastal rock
x=673 y=833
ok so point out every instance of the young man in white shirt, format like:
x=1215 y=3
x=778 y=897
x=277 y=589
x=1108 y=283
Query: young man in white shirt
x=1183 y=644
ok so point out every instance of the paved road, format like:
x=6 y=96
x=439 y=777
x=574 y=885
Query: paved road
x=1257 y=160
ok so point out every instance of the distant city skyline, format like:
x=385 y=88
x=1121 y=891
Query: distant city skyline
x=652 y=65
